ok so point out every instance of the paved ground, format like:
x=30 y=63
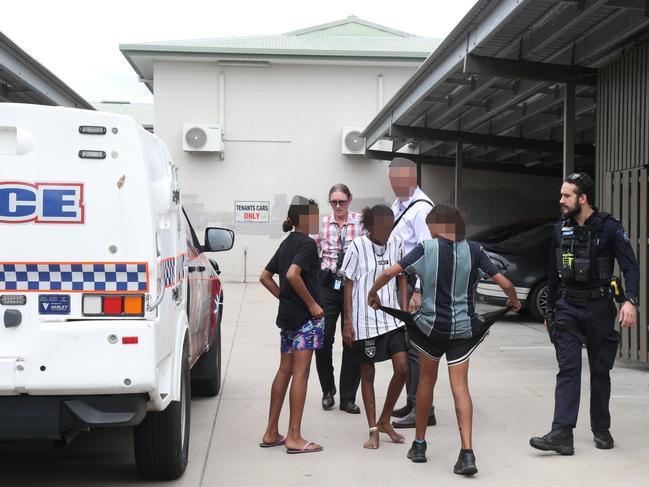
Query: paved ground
x=512 y=376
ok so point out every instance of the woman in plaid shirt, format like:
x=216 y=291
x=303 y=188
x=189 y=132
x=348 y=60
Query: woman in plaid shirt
x=338 y=230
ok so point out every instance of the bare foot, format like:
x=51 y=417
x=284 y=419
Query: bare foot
x=373 y=442
x=389 y=430
x=300 y=444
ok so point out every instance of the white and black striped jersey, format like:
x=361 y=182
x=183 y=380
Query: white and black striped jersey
x=363 y=263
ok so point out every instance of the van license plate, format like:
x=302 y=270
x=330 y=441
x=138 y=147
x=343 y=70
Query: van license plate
x=54 y=304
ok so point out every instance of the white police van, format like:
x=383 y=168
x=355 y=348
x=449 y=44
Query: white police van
x=106 y=298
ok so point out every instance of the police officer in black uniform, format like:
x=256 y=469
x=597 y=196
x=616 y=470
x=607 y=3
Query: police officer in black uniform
x=581 y=310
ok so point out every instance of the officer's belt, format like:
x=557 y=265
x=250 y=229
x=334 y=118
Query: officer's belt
x=591 y=293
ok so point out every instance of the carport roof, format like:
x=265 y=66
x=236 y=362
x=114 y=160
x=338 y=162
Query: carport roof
x=25 y=80
x=351 y=39
x=485 y=87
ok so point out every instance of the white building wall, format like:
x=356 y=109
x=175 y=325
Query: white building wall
x=282 y=130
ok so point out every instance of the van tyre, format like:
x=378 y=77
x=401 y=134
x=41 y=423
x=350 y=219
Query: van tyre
x=161 y=441
x=537 y=301
x=209 y=366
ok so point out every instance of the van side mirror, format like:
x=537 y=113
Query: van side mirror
x=218 y=239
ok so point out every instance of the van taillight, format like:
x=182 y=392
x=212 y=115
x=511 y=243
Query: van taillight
x=113 y=305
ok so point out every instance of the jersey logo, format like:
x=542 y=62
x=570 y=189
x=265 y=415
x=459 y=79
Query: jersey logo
x=370 y=348
x=22 y=202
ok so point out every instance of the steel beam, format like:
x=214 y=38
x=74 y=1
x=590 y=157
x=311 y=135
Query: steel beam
x=537 y=40
x=476 y=165
x=532 y=70
x=603 y=37
x=435 y=70
x=459 y=162
x=424 y=134
x=569 y=130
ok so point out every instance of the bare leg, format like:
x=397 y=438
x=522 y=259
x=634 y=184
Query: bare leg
x=369 y=401
x=400 y=368
x=301 y=366
x=427 y=379
x=277 y=395
x=459 y=377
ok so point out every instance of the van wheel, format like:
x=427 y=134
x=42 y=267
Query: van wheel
x=208 y=367
x=161 y=441
x=537 y=301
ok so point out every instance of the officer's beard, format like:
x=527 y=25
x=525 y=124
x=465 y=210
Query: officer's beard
x=567 y=212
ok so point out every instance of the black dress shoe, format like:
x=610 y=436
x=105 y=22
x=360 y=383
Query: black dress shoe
x=559 y=441
x=603 y=440
x=417 y=452
x=465 y=463
x=349 y=407
x=403 y=411
x=328 y=401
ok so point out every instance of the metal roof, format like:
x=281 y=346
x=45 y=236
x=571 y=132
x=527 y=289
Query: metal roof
x=343 y=41
x=25 y=80
x=484 y=83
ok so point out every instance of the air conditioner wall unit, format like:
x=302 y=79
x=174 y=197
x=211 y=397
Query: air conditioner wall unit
x=351 y=141
x=202 y=137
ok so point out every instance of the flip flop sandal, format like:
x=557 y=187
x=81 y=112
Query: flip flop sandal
x=304 y=449
x=281 y=441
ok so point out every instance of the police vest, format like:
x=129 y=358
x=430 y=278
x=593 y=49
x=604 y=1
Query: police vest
x=577 y=260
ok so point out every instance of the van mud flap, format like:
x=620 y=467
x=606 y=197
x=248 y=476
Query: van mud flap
x=50 y=417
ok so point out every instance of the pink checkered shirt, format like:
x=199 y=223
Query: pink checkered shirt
x=329 y=238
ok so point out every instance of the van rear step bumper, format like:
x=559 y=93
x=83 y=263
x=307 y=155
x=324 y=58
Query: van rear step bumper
x=50 y=417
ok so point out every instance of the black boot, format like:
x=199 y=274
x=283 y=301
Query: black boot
x=603 y=440
x=403 y=411
x=560 y=441
x=465 y=463
x=417 y=452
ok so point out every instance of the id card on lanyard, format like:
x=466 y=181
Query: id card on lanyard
x=342 y=236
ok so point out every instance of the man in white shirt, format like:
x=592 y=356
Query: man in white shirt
x=410 y=210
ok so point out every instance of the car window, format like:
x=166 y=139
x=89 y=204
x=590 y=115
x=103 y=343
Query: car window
x=530 y=236
x=492 y=233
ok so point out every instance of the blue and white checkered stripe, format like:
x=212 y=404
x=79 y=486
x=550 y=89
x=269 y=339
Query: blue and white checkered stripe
x=172 y=269
x=104 y=277
x=168 y=271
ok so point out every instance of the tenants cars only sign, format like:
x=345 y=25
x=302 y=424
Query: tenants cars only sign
x=252 y=211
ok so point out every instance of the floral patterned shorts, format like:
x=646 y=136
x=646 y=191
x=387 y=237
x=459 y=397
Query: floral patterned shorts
x=309 y=336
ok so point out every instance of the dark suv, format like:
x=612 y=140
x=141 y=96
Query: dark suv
x=523 y=259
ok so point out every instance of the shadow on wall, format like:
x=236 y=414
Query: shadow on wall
x=487 y=207
x=200 y=217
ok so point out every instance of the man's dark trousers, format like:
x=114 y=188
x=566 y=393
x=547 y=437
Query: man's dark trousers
x=412 y=381
x=595 y=321
x=350 y=375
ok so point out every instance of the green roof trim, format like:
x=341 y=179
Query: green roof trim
x=349 y=38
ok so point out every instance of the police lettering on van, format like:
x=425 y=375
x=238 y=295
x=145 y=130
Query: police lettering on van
x=23 y=202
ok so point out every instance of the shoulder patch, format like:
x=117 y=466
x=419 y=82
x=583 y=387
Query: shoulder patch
x=622 y=234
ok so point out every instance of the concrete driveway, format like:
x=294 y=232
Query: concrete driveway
x=512 y=377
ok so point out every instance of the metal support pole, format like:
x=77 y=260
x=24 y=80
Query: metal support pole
x=569 y=130
x=459 y=160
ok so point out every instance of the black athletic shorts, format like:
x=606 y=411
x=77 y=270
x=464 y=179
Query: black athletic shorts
x=380 y=348
x=457 y=350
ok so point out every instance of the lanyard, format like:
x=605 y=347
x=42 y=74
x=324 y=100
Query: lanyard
x=340 y=246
